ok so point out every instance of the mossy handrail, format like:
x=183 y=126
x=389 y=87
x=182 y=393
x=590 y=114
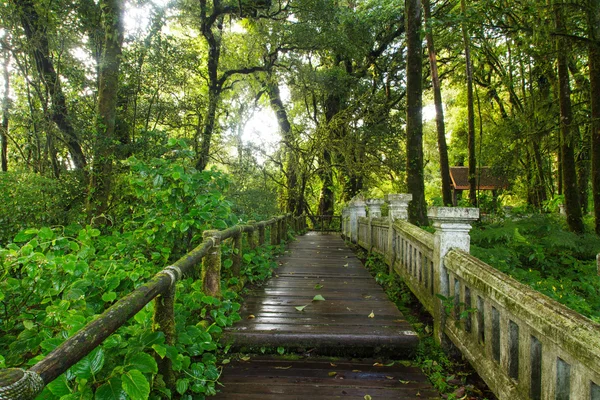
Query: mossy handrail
x=16 y=383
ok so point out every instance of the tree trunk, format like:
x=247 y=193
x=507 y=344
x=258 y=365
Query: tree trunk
x=5 y=106
x=439 y=109
x=569 y=175
x=292 y=201
x=417 y=211
x=594 y=61
x=470 y=111
x=104 y=149
x=38 y=42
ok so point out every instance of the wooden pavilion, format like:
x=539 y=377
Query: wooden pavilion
x=485 y=179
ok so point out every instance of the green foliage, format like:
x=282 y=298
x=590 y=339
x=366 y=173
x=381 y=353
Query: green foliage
x=28 y=199
x=538 y=251
x=53 y=281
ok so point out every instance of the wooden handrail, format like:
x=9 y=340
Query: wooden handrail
x=17 y=383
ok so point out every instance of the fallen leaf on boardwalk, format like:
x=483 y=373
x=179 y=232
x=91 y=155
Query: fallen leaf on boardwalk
x=346 y=265
x=288 y=367
x=366 y=296
x=346 y=256
x=418 y=394
x=318 y=286
x=404 y=382
x=390 y=364
x=226 y=361
x=378 y=365
x=300 y=308
x=391 y=378
x=276 y=276
x=332 y=373
x=348 y=308
x=356 y=370
x=345 y=283
x=251 y=316
x=372 y=315
x=318 y=298
x=398 y=320
x=332 y=364
x=245 y=358
x=368 y=397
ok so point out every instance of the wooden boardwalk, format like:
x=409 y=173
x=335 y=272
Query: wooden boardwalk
x=355 y=319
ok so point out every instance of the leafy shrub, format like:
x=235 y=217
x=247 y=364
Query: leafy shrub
x=28 y=199
x=538 y=251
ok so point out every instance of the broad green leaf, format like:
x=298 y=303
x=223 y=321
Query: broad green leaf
x=142 y=362
x=46 y=233
x=111 y=390
x=59 y=386
x=318 y=298
x=28 y=324
x=90 y=365
x=109 y=297
x=136 y=385
x=160 y=350
x=300 y=308
x=182 y=385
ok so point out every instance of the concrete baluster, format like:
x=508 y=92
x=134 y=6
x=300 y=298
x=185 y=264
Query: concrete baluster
x=398 y=209
x=356 y=209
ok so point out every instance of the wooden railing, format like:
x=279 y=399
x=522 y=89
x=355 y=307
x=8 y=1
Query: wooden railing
x=16 y=383
x=522 y=343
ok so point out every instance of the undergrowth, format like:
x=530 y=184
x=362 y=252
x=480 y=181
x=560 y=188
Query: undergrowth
x=539 y=251
x=451 y=376
x=55 y=279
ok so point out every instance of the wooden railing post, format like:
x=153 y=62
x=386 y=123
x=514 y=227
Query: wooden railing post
x=274 y=233
x=164 y=321
x=211 y=265
x=236 y=257
x=251 y=236
x=261 y=233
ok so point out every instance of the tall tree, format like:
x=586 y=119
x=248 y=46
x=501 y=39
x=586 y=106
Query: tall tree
x=439 y=107
x=5 y=104
x=594 y=65
x=102 y=171
x=470 y=108
x=37 y=38
x=569 y=175
x=417 y=210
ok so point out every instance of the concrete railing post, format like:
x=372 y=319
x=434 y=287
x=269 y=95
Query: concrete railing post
x=398 y=205
x=398 y=209
x=211 y=266
x=374 y=206
x=356 y=209
x=452 y=226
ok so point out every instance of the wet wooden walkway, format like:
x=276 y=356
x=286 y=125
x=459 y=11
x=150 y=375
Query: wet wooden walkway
x=354 y=319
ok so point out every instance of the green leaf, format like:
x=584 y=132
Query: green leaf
x=281 y=350
x=109 y=297
x=90 y=365
x=318 y=298
x=46 y=233
x=136 y=385
x=111 y=390
x=59 y=386
x=142 y=362
x=182 y=385
x=28 y=324
x=318 y=286
x=160 y=350
x=300 y=308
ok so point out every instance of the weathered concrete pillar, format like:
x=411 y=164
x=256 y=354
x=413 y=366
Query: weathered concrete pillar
x=398 y=209
x=356 y=209
x=398 y=204
x=374 y=206
x=211 y=266
x=452 y=226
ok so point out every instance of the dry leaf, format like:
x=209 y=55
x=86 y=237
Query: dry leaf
x=332 y=373
x=404 y=382
x=372 y=315
x=378 y=364
x=356 y=370
x=348 y=308
x=389 y=377
x=283 y=367
x=346 y=265
x=251 y=316
x=332 y=364
x=367 y=397
x=366 y=296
